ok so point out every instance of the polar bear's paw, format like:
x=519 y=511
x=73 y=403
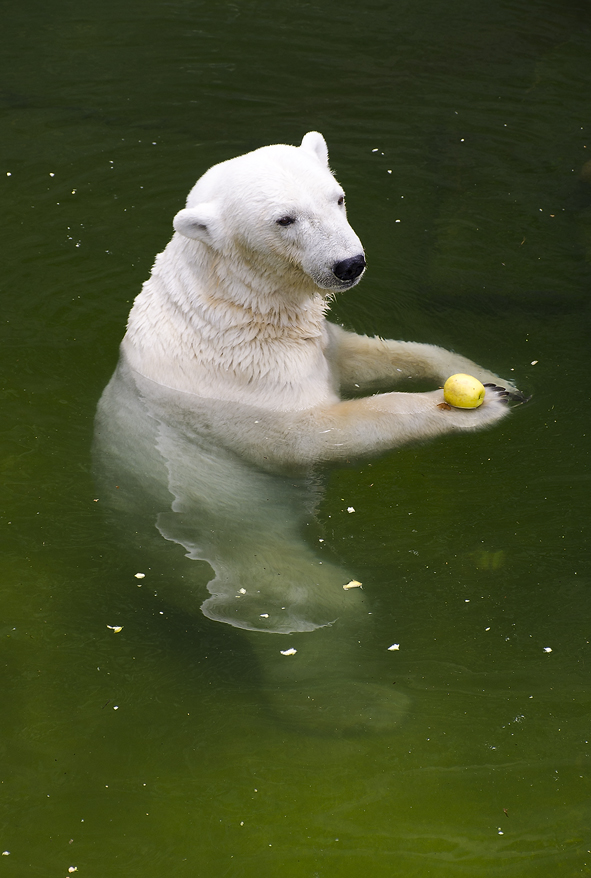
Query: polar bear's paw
x=285 y=595
x=339 y=709
x=253 y=613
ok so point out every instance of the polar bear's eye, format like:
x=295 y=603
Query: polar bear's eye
x=286 y=221
x=341 y=201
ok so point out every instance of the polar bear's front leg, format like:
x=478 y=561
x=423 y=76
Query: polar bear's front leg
x=374 y=424
x=353 y=428
x=359 y=361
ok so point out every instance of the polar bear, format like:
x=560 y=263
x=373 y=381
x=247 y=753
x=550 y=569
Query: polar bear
x=232 y=387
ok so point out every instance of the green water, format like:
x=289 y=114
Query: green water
x=151 y=751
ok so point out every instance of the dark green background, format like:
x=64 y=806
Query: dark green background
x=472 y=550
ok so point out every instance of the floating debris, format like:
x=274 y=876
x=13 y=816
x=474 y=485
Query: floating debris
x=354 y=583
x=140 y=575
x=350 y=509
x=394 y=648
x=115 y=628
x=547 y=649
x=291 y=651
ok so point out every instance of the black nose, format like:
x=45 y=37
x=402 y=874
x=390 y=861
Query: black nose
x=349 y=269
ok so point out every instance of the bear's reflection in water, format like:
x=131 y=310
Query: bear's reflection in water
x=163 y=468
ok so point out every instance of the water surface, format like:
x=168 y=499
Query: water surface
x=461 y=133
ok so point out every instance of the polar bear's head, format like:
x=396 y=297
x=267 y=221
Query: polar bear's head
x=281 y=213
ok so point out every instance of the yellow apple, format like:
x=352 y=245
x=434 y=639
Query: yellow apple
x=463 y=391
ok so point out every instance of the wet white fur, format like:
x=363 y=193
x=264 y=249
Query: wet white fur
x=234 y=311
x=231 y=385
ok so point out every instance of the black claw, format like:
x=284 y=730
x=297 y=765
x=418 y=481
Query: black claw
x=514 y=395
x=520 y=397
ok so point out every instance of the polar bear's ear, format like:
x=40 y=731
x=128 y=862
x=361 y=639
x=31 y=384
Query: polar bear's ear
x=315 y=143
x=199 y=223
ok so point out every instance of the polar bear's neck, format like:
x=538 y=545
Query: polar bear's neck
x=208 y=326
x=226 y=294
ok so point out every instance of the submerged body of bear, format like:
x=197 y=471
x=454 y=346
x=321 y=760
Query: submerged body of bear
x=228 y=391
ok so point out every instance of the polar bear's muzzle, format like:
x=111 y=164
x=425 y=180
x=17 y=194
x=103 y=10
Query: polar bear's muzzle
x=348 y=270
